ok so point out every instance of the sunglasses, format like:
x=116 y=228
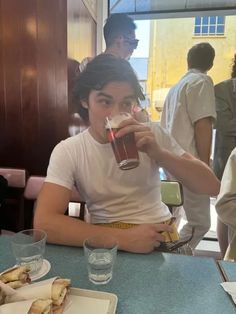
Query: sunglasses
x=132 y=42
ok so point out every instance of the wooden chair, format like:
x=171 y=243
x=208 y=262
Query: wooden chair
x=32 y=189
x=12 y=212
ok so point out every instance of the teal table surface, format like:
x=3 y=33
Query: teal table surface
x=228 y=269
x=155 y=283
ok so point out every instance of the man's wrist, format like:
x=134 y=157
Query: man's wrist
x=162 y=157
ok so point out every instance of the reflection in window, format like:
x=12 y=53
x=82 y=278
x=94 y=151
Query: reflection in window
x=209 y=26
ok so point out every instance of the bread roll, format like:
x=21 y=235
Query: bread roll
x=16 y=277
x=59 y=290
x=41 y=306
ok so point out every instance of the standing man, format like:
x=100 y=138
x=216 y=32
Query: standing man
x=120 y=39
x=188 y=115
x=225 y=139
x=119 y=35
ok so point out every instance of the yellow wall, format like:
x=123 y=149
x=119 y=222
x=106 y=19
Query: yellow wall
x=170 y=40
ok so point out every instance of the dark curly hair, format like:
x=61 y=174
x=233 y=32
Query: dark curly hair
x=201 y=56
x=99 y=72
x=233 y=73
x=117 y=24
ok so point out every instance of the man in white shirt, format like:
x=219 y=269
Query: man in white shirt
x=188 y=115
x=114 y=197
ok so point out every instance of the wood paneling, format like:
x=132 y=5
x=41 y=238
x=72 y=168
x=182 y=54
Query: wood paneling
x=33 y=76
x=33 y=81
x=81 y=31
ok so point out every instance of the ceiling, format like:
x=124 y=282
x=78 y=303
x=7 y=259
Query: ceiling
x=139 y=7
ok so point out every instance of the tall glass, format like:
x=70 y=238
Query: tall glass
x=124 y=148
x=28 y=247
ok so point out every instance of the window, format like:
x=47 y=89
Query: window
x=209 y=26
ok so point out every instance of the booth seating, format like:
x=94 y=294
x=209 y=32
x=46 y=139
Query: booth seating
x=171 y=193
x=12 y=209
x=32 y=189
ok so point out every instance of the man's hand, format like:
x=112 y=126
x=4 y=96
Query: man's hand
x=144 y=137
x=143 y=238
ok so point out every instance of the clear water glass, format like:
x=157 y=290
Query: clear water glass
x=100 y=253
x=28 y=247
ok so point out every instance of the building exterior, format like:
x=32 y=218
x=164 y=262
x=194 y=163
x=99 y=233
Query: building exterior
x=170 y=40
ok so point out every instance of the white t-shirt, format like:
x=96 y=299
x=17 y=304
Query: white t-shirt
x=111 y=194
x=190 y=100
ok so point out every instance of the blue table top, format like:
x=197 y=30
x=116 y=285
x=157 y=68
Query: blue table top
x=228 y=269
x=145 y=284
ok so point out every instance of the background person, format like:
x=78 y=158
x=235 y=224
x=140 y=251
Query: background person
x=188 y=115
x=226 y=204
x=119 y=36
x=225 y=139
x=115 y=198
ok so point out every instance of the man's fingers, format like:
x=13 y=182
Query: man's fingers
x=143 y=141
x=163 y=227
x=131 y=128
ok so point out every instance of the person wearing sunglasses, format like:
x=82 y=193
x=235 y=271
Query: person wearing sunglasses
x=119 y=36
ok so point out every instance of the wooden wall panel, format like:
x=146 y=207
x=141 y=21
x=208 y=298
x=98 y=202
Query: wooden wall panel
x=11 y=78
x=81 y=31
x=33 y=76
x=33 y=81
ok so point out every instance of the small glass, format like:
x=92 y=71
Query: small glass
x=28 y=247
x=100 y=253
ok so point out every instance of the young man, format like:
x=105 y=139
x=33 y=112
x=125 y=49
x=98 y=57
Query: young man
x=114 y=197
x=119 y=35
x=188 y=115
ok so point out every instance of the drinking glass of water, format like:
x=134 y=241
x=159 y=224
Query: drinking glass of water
x=28 y=247
x=100 y=253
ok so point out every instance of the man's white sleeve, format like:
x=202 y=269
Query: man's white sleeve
x=60 y=170
x=201 y=99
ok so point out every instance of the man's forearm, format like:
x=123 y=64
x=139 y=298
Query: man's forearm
x=203 y=139
x=75 y=232
x=193 y=173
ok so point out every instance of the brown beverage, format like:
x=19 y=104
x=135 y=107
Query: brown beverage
x=124 y=148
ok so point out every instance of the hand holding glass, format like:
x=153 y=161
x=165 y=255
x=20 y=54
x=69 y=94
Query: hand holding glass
x=124 y=148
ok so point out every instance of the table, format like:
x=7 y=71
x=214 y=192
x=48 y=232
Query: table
x=157 y=283
x=228 y=269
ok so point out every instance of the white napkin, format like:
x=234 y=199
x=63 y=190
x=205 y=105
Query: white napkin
x=7 y=289
x=230 y=287
x=38 y=290
x=16 y=307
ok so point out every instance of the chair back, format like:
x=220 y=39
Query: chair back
x=172 y=193
x=12 y=211
x=15 y=177
x=34 y=186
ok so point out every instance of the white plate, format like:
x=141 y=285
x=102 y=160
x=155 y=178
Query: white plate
x=42 y=272
x=91 y=302
x=46 y=266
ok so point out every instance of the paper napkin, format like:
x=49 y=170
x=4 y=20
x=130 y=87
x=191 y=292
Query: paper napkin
x=230 y=287
x=38 y=290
